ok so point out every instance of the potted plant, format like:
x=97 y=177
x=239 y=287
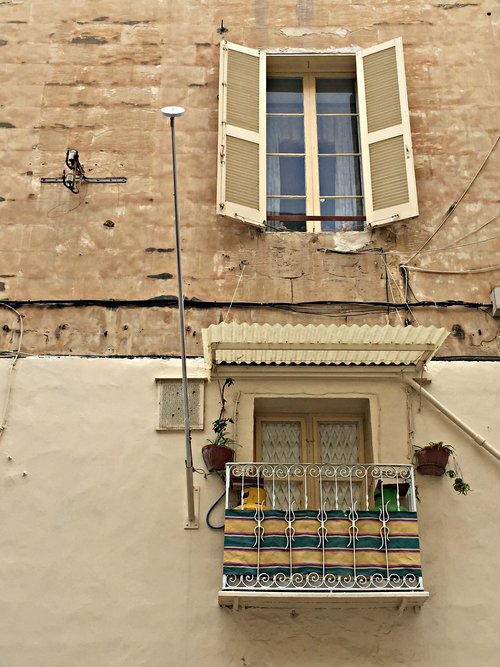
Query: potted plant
x=434 y=459
x=219 y=449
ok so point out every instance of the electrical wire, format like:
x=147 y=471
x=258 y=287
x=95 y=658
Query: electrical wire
x=211 y=510
x=455 y=204
x=195 y=303
x=474 y=231
x=386 y=277
x=15 y=357
x=454 y=246
x=404 y=296
x=389 y=275
x=235 y=291
x=484 y=269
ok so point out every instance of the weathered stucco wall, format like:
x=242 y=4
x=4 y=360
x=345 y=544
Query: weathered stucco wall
x=95 y=567
x=94 y=75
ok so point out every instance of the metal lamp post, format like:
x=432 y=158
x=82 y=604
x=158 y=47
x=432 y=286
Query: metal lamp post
x=173 y=113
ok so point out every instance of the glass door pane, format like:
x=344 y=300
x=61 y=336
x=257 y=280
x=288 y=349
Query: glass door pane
x=281 y=442
x=339 y=445
x=338 y=442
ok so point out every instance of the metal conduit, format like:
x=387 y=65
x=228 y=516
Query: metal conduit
x=478 y=439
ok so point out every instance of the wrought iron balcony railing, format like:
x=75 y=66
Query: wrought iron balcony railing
x=322 y=528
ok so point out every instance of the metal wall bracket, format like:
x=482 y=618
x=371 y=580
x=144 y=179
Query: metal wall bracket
x=76 y=174
x=193 y=525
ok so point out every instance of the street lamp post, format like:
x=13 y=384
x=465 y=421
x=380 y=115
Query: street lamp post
x=173 y=113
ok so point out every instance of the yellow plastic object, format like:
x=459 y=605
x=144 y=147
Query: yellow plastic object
x=253 y=498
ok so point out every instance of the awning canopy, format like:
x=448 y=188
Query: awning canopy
x=231 y=343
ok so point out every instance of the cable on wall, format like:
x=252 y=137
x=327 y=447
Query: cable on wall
x=454 y=246
x=235 y=290
x=209 y=524
x=484 y=269
x=171 y=302
x=15 y=357
x=389 y=287
x=455 y=204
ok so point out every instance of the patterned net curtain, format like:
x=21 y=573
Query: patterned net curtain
x=281 y=443
x=338 y=444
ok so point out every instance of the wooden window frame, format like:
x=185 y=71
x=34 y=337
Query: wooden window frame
x=313 y=216
x=310 y=443
x=393 y=140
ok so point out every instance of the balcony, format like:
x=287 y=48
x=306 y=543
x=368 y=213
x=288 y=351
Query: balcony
x=321 y=535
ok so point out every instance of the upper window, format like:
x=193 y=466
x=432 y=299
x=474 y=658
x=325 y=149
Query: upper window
x=313 y=158
x=315 y=142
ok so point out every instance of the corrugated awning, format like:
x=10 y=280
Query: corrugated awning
x=314 y=345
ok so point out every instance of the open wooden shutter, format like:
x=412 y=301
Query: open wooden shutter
x=241 y=173
x=388 y=170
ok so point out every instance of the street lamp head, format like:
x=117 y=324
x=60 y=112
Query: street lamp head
x=173 y=112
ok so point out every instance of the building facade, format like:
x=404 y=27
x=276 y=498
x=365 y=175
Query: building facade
x=337 y=188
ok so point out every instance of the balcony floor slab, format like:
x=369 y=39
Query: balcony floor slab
x=398 y=600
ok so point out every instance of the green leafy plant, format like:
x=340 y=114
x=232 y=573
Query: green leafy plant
x=459 y=484
x=220 y=425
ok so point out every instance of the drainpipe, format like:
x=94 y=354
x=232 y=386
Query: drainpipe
x=478 y=439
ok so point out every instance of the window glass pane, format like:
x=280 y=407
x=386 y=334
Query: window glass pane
x=281 y=442
x=339 y=176
x=335 y=96
x=341 y=226
x=279 y=205
x=280 y=496
x=286 y=175
x=338 y=442
x=286 y=226
x=341 y=496
x=338 y=134
x=285 y=134
x=284 y=95
x=342 y=206
x=284 y=206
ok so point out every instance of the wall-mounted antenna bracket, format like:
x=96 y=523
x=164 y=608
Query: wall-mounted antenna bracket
x=221 y=29
x=76 y=174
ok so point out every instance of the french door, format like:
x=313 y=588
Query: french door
x=310 y=440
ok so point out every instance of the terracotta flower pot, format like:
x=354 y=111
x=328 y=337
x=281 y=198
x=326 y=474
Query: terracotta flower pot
x=432 y=460
x=216 y=456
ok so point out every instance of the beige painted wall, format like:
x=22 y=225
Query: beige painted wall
x=94 y=75
x=96 y=569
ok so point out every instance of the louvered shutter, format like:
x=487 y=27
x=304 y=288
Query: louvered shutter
x=241 y=173
x=388 y=170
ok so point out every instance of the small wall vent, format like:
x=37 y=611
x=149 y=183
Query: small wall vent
x=171 y=408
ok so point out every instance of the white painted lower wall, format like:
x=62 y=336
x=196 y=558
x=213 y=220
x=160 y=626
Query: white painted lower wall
x=96 y=568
